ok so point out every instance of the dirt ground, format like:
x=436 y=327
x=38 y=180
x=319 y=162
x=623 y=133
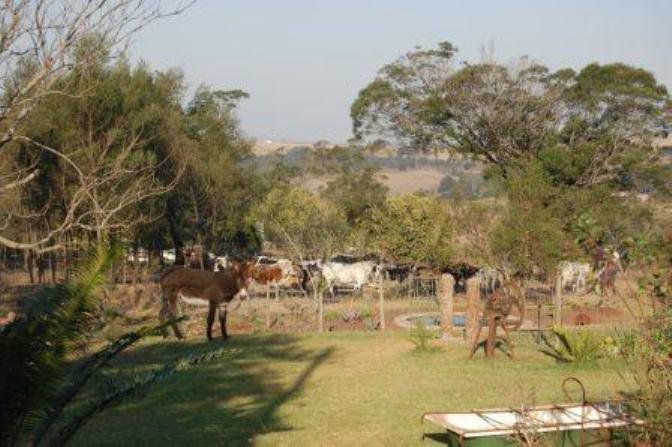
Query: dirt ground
x=127 y=306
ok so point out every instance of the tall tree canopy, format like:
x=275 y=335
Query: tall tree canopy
x=412 y=228
x=301 y=223
x=601 y=119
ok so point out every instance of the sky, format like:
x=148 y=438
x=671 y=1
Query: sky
x=303 y=62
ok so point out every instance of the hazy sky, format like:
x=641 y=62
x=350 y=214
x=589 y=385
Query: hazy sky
x=303 y=61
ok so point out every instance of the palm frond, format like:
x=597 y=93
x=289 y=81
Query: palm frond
x=33 y=349
x=82 y=375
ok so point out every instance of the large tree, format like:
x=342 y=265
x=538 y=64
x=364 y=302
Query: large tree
x=219 y=186
x=602 y=119
x=412 y=228
x=352 y=183
x=560 y=143
x=301 y=223
x=97 y=153
x=42 y=43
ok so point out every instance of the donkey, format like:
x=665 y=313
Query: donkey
x=219 y=290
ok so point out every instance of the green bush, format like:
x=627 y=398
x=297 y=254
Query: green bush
x=366 y=311
x=573 y=346
x=331 y=315
x=421 y=336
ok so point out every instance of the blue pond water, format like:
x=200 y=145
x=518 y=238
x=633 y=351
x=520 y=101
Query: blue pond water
x=435 y=320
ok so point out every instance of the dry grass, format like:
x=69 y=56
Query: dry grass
x=412 y=180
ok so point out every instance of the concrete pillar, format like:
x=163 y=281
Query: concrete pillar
x=446 y=288
x=473 y=306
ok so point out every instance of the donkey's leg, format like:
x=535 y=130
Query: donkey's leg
x=164 y=313
x=169 y=311
x=211 y=319
x=174 y=312
x=222 y=320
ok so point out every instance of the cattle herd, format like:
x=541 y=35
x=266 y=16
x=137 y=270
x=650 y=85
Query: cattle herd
x=226 y=282
x=346 y=273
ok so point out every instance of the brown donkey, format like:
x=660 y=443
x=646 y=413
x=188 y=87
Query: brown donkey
x=219 y=290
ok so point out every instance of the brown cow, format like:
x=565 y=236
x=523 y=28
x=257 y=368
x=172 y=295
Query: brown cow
x=264 y=274
x=274 y=276
x=217 y=289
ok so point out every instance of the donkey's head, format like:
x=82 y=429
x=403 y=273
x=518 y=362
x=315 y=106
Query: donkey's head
x=244 y=273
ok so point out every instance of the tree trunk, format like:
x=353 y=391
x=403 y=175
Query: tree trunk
x=30 y=262
x=172 y=213
x=473 y=298
x=52 y=266
x=66 y=264
x=446 y=289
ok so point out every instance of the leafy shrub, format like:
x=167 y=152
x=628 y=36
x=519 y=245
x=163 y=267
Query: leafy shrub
x=366 y=311
x=331 y=315
x=573 y=346
x=421 y=336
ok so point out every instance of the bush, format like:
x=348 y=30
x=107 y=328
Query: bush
x=573 y=346
x=366 y=311
x=331 y=315
x=421 y=337
x=650 y=362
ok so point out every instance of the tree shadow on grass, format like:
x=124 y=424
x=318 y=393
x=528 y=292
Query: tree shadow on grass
x=228 y=401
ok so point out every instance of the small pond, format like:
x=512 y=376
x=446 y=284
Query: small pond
x=428 y=320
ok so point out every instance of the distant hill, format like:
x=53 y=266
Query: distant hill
x=267 y=147
x=401 y=173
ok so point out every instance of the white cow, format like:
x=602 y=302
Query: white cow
x=353 y=275
x=138 y=256
x=168 y=256
x=573 y=275
x=489 y=279
x=220 y=263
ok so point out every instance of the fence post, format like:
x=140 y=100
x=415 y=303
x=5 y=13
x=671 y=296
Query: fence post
x=381 y=305
x=445 y=295
x=321 y=311
x=557 y=298
x=268 y=305
x=473 y=298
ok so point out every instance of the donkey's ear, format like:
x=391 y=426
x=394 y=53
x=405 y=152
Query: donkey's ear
x=235 y=267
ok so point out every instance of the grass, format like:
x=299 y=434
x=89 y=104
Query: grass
x=357 y=388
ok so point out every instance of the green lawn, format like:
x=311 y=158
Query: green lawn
x=359 y=388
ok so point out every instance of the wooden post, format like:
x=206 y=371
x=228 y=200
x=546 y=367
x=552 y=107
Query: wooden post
x=445 y=295
x=473 y=299
x=381 y=305
x=557 y=298
x=268 y=305
x=321 y=311
x=492 y=337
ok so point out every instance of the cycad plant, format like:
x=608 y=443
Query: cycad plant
x=35 y=347
x=572 y=346
x=36 y=383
